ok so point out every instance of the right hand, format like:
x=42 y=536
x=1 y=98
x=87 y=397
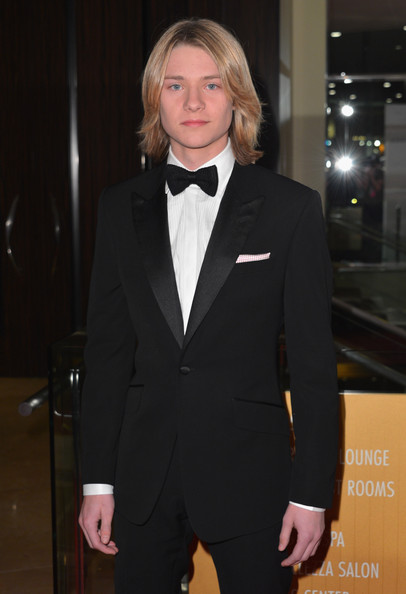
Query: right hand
x=95 y=520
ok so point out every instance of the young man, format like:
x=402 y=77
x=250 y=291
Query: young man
x=198 y=265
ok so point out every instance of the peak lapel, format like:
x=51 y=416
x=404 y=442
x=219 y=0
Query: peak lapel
x=151 y=224
x=235 y=220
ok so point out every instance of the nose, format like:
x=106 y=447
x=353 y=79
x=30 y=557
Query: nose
x=193 y=99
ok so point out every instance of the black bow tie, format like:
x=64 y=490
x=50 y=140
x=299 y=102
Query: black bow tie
x=179 y=179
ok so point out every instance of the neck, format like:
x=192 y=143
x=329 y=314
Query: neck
x=192 y=158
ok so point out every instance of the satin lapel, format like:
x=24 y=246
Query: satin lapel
x=235 y=219
x=151 y=224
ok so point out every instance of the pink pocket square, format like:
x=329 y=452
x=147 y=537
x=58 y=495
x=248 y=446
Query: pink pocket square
x=252 y=257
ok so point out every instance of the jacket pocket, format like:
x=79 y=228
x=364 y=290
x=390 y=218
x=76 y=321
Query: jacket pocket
x=254 y=267
x=262 y=417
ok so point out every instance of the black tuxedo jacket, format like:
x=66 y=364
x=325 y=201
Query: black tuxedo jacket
x=214 y=391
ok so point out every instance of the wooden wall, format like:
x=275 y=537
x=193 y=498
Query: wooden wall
x=35 y=286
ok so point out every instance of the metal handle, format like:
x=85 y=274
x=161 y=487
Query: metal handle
x=9 y=224
x=35 y=401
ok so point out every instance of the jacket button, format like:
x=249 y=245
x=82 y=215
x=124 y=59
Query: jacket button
x=184 y=370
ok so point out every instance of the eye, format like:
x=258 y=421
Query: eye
x=175 y=87
x=212 y=86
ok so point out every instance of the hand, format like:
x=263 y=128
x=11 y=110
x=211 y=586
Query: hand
x=98 y=509
x=309 y=526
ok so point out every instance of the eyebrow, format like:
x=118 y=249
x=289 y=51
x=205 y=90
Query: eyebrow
x=179 y=77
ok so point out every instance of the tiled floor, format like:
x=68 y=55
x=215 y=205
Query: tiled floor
x=25 y=493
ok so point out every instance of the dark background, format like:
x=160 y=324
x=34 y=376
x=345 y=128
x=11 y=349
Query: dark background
x=43 y=284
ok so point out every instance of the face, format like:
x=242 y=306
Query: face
x=194 y=110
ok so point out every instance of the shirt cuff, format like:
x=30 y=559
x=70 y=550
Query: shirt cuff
x=97 y=489
x=309 y=507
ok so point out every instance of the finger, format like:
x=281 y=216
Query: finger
x=87 y=536
x=105 y=529
x=84 y=530
x=107 y=549
x=105 y=526
x=113 y=547
x=110 y=544
x=301 y=552
x=316 y=546
x=284 y=536
x=295 y=556
x=91 y=533
x=89 y=526
x=93 y=538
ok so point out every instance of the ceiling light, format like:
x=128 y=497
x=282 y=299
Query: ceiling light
x=335 y=34
x=347 y=110
x=344 y=164
x=387 y=85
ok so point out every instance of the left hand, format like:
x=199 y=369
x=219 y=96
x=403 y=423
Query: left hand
x=309 y=526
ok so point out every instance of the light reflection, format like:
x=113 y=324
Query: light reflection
x=347 y=111
x=344 y=164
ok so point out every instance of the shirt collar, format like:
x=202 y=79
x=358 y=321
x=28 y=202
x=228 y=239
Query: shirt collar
x=224 y=162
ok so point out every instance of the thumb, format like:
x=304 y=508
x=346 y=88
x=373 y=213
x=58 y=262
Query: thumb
x=105 y=530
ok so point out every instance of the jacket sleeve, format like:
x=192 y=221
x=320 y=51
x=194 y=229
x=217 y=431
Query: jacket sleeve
x=311 y=359
x=109 y=358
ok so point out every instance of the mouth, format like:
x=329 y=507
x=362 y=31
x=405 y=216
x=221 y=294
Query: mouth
x=194 y=123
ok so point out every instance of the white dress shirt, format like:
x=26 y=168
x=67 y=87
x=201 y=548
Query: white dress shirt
x=191 y=217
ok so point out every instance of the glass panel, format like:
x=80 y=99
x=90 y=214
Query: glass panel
x=76 y=569
x=365 y=159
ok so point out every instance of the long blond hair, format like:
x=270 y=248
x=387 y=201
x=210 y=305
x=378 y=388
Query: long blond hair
x=230 y=58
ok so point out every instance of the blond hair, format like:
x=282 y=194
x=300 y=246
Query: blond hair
x=230 y=59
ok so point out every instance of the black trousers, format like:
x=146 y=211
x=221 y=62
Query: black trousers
x=153 y=557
